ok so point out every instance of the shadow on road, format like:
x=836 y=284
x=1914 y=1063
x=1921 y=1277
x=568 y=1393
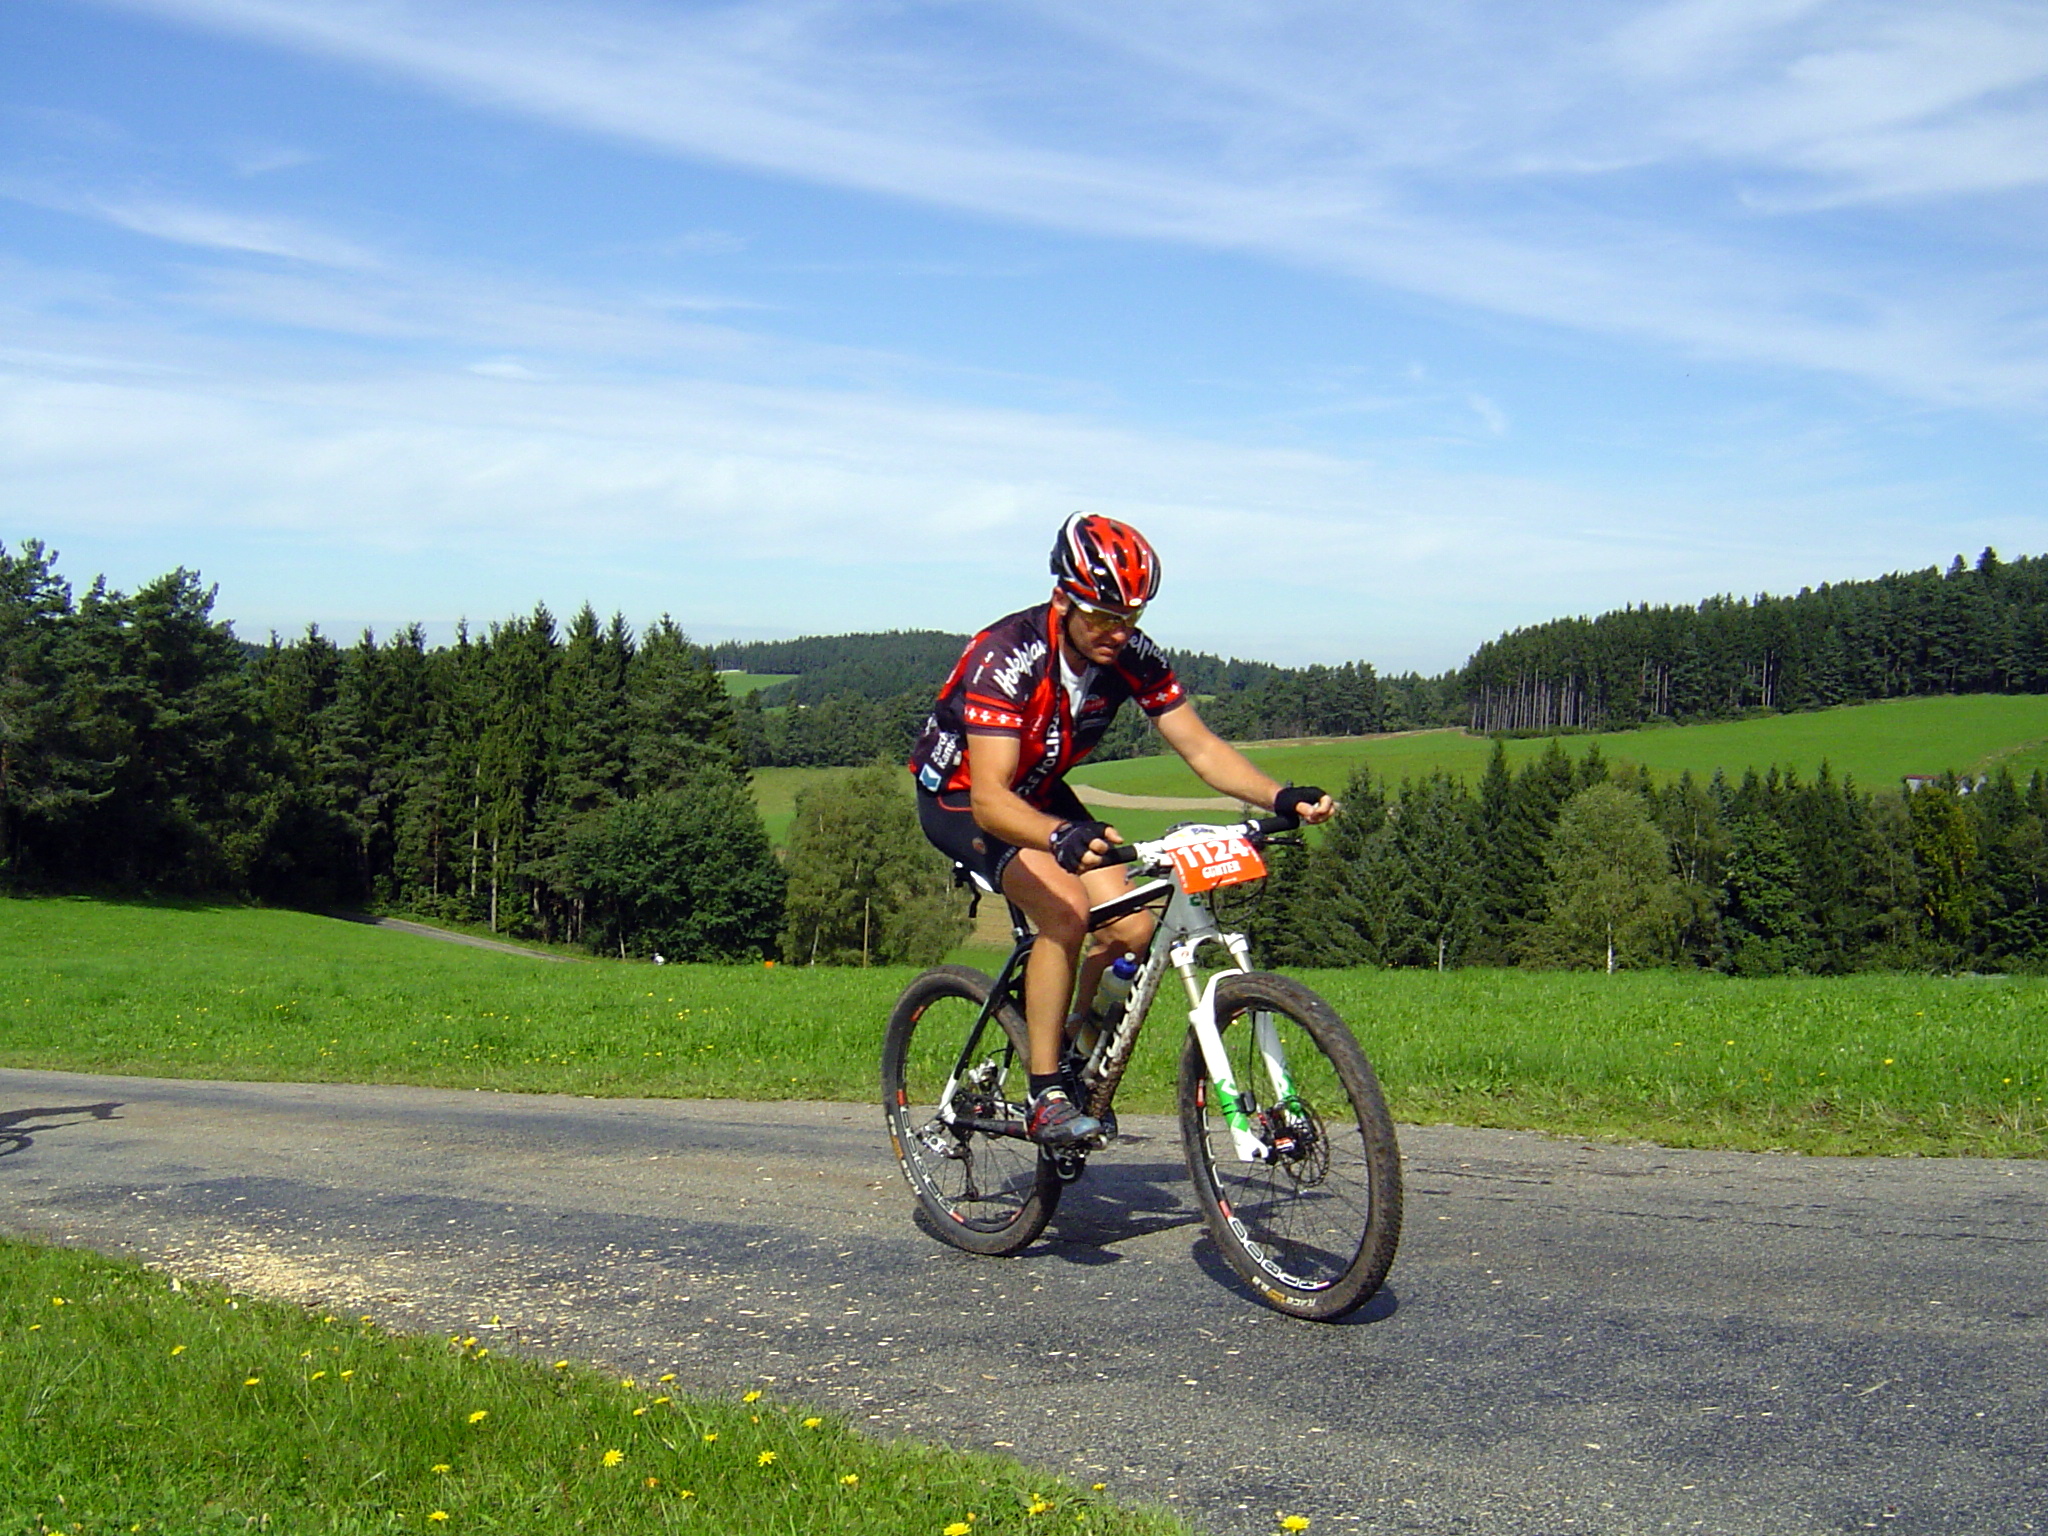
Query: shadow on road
x=17 y=1136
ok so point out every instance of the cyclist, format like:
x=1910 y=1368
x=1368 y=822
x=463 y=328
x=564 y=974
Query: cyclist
x=1030 y=697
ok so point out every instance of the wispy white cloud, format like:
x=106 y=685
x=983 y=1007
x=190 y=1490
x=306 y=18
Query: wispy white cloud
x=1660 y=172
x=725 y=490
x=197 y=225
x=265 y=159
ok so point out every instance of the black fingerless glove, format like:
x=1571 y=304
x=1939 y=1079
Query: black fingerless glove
x=1070 y=841
x=1290 y=800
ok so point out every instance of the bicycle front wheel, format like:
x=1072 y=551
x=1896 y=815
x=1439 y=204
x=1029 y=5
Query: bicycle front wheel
x=985 y=1190
x=1304 y=1200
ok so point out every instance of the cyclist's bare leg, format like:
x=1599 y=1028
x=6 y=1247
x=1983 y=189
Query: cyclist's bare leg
x=1057 y=904
x=1128 y=935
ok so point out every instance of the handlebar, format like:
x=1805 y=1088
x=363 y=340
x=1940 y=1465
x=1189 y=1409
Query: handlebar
x=1257 y=830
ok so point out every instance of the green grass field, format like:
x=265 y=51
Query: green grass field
x=776 y=789
x=737 y=683
x=1875 y=1063
x=1876 y=744
x=133 y=1402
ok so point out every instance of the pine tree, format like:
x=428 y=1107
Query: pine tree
x=1435 y=894
x=1764 y=916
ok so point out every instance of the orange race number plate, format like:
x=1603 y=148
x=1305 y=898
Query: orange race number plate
x=1216 y=862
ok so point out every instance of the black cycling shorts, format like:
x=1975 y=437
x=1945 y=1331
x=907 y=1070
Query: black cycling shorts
x=948 y=821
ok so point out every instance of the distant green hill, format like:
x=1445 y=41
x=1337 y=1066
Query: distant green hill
x=1876 y=745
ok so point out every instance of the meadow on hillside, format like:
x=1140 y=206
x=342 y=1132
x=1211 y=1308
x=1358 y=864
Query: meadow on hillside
x=1875 y=745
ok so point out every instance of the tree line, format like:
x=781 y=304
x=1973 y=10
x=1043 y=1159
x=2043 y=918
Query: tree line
x=588 y=783
x=1568 y=864
x=582 y=785
x=1969 y=629
x=859 y=697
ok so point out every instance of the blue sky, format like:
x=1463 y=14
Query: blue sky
x=1394 y=325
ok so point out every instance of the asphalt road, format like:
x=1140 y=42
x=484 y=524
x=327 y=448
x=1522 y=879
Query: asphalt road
x=1575 y=1339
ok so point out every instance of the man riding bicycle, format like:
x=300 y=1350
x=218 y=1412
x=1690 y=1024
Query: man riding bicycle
x=1029 y=698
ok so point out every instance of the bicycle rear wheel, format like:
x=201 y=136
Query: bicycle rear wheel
x=985 y=1192
x=1313 y=1220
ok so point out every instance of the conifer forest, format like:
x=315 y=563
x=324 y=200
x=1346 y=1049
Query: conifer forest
x=587 y=782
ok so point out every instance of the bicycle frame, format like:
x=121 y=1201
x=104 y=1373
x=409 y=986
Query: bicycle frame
x=1185 y=927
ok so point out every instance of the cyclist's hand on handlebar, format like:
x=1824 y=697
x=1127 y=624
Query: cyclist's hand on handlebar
x=1081 y=845
x=1304 y=803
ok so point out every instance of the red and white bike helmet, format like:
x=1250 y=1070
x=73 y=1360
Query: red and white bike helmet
x=1104 y=563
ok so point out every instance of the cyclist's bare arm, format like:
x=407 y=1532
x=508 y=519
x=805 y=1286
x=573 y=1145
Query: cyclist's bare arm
x=998 y=809
x=1222 y=767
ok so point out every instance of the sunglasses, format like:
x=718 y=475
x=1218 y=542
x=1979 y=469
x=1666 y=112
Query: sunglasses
x=1102 y=620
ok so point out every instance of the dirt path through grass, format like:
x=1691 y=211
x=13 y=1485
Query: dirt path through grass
x=1577 y=1337
x=424 y=931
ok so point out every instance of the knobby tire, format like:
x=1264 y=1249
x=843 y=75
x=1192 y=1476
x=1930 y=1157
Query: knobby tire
x=986 y=1193
x=1313 y=1231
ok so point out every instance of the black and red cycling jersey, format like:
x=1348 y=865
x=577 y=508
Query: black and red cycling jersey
x=1007 y=683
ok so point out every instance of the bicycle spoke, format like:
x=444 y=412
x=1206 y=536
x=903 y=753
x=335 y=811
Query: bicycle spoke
x=985 y=1191
x=1312 y=1217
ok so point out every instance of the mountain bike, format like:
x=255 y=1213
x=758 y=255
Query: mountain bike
x=1288 y=1140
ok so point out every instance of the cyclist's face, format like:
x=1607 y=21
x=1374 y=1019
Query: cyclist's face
x=1098 y=634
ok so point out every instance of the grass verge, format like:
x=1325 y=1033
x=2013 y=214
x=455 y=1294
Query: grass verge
x=132 y=1402
x=1860 y=1064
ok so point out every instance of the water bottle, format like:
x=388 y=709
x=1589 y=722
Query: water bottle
x=1114 y=991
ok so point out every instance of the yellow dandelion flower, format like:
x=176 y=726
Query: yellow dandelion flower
x=59 y=1301
x=710 y=1435
x=652 y=1482
x=1038 y=1507
x=440 y=1466
x=660 y=1400
x=958 y=1528
x=639 y=1412
x=346 y=1374
x=627 y=1383
x=613 y=1458
x=666 y=1376
x=316 y=1376
x=481 y=1353
x=852 y=1480
x=685 y=1493
x=1097 y=1487
x=1294 y=1522
x=752 y=1397
x=177 y=1349
x=479 y=1416
x=561 y=1365
x=812 y=1423
x=35 y=1327
x=252 y=1381
x=439 y=1514
x=765 y=1459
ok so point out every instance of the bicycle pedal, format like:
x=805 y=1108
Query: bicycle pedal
x=1069 y=1163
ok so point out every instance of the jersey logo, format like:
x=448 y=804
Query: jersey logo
x=1013 y=670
